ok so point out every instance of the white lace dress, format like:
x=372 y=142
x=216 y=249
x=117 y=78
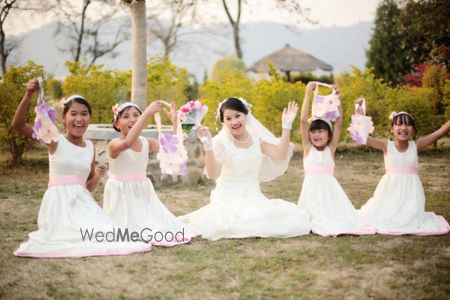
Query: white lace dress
x=238 y=209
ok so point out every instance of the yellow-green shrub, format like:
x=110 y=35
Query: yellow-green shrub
x=12 y=89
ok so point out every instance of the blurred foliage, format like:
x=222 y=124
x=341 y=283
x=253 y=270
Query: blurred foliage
x=12 y=89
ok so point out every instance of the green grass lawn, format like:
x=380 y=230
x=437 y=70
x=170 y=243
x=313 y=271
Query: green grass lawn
x=310 y=267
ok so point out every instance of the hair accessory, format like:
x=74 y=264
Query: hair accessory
x=65 y=101
x=394 y=114
x=118 y=108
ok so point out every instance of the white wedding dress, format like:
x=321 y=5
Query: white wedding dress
x=237 y=208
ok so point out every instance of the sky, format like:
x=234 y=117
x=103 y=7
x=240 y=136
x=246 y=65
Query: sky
x=328 y=13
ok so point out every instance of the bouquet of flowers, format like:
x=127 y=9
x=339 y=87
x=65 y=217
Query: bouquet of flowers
x=191 y=114
x=361 y=125
x=44 y=129
x=325 y=106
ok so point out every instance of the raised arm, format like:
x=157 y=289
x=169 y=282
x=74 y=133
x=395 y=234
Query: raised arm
x=19 y=121
x=280 y=151
x=423 y=142
x=212 y=167
x=304 y=116
x=117 y=146
x=337 y=125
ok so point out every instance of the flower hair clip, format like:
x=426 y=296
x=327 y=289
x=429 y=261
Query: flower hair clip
x=392 y=116
x=115 y=110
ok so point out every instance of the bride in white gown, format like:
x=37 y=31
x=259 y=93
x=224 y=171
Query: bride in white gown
x=243 y=154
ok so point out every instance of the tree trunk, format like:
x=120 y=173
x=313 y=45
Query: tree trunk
x=237 y=40
x=139 y=54
x=235 y=26
x=3 y=54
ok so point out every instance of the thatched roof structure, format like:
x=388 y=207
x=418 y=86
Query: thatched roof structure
x=289 y=59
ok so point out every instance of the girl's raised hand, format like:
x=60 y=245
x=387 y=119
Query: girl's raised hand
x=172 y=113
x=289 y=115
x=311 y=85
x=32 y=85
x=154 y=107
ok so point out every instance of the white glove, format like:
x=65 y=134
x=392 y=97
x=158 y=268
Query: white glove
x=206 y=140
x=289 y=115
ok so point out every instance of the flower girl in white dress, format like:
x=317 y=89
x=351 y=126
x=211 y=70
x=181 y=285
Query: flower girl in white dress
x=239 y=157
x=331 y=212
x=71 y=224
x=129 y=197
x=398 y=204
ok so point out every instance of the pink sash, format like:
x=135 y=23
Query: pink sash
x=319 y=171
x=66 y=180
x=402 y=170
x=128 y=177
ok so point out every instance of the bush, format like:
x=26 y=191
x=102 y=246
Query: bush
x=101 y=88
x=363 y=83
x=12 y=89
x=166 y=81
x=270 y=97
x=227 y=66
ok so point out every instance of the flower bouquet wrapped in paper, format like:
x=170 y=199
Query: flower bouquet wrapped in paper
x=44 y=129
x=172 y=154
x=361 y=125
x=192 y=114
x=325 y=106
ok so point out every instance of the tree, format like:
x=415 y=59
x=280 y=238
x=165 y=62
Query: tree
x=8 y=8
x=139 y=51
x=235 y=23
x=407 y=33
x=291 y=6
x=84 y=35
x=181 y=12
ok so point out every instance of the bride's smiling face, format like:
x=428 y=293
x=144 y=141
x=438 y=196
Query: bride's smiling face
x=234 y=121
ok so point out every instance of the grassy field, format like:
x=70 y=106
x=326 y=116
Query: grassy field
x=310 y=267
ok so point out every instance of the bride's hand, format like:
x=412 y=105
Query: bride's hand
x=289 y=115
x=205 y=137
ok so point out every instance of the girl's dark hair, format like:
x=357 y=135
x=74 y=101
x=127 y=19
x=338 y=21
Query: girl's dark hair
x=404 y=119
x=121 y=113
x=321 y=124
x=234 y=104
x=78 y=100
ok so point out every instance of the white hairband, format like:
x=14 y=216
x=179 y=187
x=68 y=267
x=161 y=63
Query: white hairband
x=117 y=108
x=395 y=114
x=64 y=101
